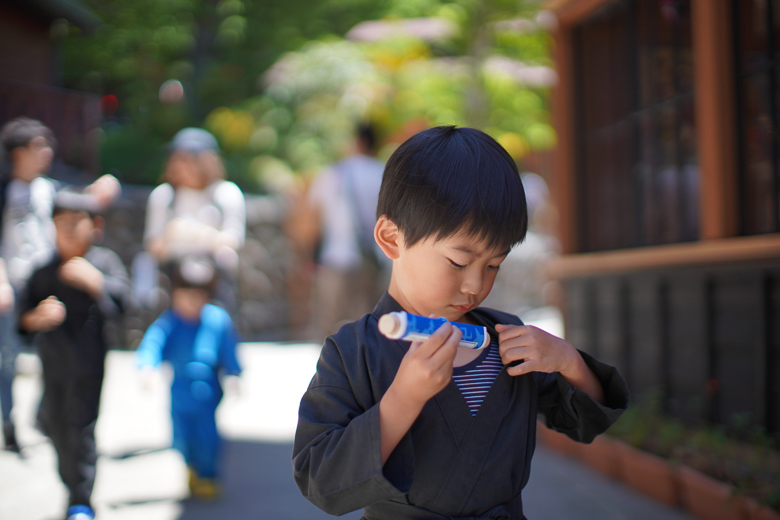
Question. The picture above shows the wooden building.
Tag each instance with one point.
(667, 181)
(30, 75)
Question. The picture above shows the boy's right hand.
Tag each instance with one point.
(426, 369)
(49, 314)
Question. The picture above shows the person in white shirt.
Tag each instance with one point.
(351, 270)
(197, 211)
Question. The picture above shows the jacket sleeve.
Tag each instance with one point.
(573, 412)
(157, 212)
(26, 300)
(228, 359)
(117, 284)
(150, 350)
(232, 204)
(336, 456)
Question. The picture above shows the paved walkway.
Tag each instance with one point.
(140, 478)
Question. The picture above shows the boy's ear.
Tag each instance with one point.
(387, 237)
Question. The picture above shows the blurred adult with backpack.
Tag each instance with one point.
(351, 270)
(197, 211)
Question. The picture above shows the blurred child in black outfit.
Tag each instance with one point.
(67, 302)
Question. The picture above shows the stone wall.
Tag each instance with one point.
(265, 268)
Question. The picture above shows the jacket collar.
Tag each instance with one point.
(386, 304)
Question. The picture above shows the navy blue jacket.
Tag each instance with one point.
(450, 464)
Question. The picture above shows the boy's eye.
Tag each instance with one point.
(494, 267)
(457, 266)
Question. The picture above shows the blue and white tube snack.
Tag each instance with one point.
(411, 327)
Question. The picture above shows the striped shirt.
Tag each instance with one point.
(474, 379)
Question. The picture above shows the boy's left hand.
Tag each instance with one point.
(543, 352)
(539, 350)
(79, 273)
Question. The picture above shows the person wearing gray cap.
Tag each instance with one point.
(197, 211)
(194, 140)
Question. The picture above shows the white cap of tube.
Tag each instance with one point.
(392, 325)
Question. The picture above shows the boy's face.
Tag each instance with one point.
(75, 233)
(188, 302)
(32, 160)
(448, 277)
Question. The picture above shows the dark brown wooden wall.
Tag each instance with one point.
(26, 51)
(708, 338)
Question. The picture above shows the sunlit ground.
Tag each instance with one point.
(138, 476)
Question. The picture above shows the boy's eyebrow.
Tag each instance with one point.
(471, 252)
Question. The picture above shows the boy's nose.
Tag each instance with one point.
(472, 284)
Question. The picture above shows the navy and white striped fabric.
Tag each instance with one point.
(475, 379)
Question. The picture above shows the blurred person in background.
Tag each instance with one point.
(27, 234)
(199, 341)
(66, 304)
(522, 285)
(197, 211)
(351, 271)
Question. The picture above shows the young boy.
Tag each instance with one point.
(430, 430)
(27, 234)
(67, 302)
(199, 340)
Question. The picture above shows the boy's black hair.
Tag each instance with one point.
(194, 272)
(20, 131)
(67, 200)
(447, 178)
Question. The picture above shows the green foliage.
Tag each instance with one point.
(217, 49)
(128, 149)
(403, 83)
(644, 425)
(282, 89)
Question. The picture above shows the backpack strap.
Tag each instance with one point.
(4, 182)
(363, 235)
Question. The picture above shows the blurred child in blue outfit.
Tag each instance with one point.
(66, 303)
(199, 340)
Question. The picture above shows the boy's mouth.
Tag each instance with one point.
(463, 308)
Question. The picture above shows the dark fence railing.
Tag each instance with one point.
(705, 338)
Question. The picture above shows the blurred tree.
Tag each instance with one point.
(477, 63)
(282, 84)
(216, 50)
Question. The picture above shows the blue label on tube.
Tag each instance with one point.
(412, 327)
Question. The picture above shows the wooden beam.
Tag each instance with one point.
(715, 117)
(563, 181)
(707, 252)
